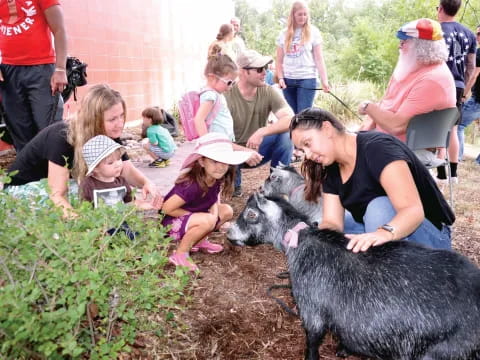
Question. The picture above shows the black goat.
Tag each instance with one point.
(395, 301)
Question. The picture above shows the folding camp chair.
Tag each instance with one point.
(432, 130)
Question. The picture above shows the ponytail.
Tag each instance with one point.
(219, 64)
(225, 30)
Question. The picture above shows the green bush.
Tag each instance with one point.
(67, 290)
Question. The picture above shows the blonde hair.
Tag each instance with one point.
(89, 122)
(297, 5)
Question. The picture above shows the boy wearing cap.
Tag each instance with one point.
(461, 44)
(103, 180)
(421, 81)
(250, 102)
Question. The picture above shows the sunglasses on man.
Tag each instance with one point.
(259, 69)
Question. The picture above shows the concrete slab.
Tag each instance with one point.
(165, 177)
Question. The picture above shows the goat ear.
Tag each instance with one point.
(261, 200)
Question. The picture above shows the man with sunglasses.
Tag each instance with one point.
(250, 102)
(461, 46)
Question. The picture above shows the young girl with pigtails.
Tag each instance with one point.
(221, 73)
(193, 207)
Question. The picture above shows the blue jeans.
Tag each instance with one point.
(380, 211)
(275, 148)
(299, 93)
(471, 112)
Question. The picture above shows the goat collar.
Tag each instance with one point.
(295, 190)
(290, 240)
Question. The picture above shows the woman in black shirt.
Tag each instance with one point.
(55, 153)
(388, 192)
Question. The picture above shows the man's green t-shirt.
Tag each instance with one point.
(250, 115)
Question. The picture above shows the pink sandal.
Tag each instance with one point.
(183, 260)
(206, 246)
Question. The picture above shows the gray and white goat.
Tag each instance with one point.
(286, 181)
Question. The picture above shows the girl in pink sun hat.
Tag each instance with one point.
(193, 207)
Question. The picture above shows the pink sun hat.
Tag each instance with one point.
(217, 147)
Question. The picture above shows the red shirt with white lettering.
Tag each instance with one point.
(27, 40)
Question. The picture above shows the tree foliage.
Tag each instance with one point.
(359, 39)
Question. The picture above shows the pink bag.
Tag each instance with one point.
(188, 107)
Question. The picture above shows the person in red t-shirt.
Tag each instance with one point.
(32, 69)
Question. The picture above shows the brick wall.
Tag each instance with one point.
(149, 50)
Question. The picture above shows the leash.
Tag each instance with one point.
(282, 275)
(334, 96)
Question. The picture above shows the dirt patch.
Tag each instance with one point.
(6, 158)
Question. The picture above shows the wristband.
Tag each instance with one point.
(60, 69)
(389, 228)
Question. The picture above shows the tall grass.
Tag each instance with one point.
(352, 94)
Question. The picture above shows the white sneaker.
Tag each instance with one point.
(444, 182)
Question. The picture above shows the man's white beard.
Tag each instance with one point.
(406, 65)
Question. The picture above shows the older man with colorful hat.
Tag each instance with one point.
(250, 102)
(421, 81)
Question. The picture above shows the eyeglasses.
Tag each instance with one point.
(225, 81)
(478, 33)
(259, 69)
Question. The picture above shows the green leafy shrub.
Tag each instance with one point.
(67, 290)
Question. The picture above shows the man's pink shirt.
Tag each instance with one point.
(430, 88)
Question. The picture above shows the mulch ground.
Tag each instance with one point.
(229, 314)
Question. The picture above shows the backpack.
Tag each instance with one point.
(188, 107)
(170, 123)
(76, 76)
